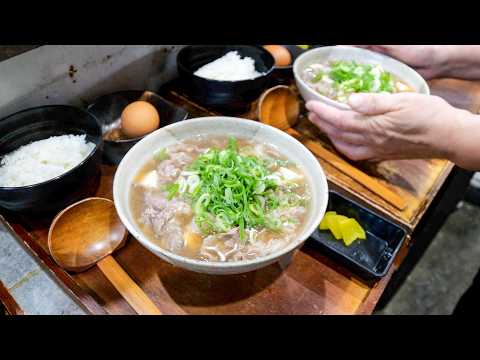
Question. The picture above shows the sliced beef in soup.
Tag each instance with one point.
(220, 199)
(167, 217)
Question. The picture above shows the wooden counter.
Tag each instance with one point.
(310, 284)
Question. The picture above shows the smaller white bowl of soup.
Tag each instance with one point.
(220, 195)
(332, 73)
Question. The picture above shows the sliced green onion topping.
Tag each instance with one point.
(232, 190)
(161, 155)
(351, 77)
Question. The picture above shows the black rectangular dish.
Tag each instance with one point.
(370, 258)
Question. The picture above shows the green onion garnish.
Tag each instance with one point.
(233, 191)
(161, 155)
(172, 190)
(350, 77)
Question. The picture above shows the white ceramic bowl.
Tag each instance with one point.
(364, 56)
(220, 126)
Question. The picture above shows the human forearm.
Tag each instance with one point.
(459, 61)
(433, 61)
(401, 126)
(464, 147)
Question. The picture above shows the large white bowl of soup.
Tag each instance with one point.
(220, 195)
(331, 74)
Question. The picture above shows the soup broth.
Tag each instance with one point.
(220, 199)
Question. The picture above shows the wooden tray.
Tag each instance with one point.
(417, 181)
(311, 284)
(9, 304)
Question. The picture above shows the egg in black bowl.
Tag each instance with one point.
(229, 97)
(40, 123)
(108, 110)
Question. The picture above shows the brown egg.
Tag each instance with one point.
(139, 118)
(280, 53)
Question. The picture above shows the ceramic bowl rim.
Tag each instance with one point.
(316, 218)
(369, 53)
(226, 82)
(65, 174)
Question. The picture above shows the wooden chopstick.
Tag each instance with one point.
(9, 302)
(369, 182)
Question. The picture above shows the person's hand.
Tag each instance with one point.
(429, 60)
(390, 126)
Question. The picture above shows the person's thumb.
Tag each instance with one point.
(373, 104)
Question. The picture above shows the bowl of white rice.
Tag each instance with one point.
(226, 78)
(50, 157)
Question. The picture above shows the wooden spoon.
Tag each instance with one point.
(85, 234)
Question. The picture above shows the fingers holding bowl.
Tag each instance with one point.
(342, 119)
(354, 152)
(335, 133)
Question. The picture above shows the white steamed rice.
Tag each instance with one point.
(43, 160)
(230, 67)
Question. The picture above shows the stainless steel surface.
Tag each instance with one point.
(76, 74)
(8, 51)
(35, 291)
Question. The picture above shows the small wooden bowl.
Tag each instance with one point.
(279, 107)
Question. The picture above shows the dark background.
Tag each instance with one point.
(8, 51)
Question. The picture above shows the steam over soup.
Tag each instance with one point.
(337, 80)
(220, 199)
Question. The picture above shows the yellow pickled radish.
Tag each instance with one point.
(348, 234)
(351, 231)
(334, 225)
(360, 231)
(342, 227)
(324, 223)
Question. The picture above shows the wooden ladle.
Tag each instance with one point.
(85, 234)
